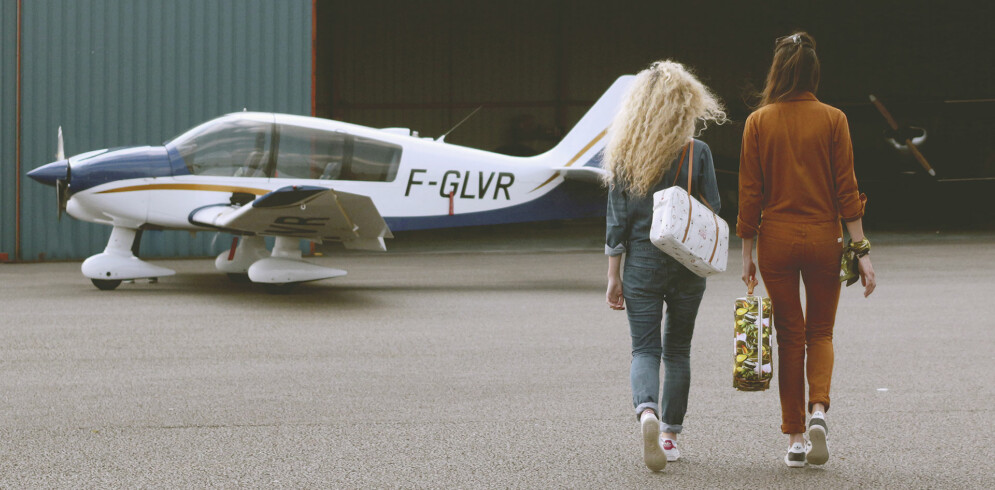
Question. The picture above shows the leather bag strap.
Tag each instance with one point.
(690, 173)
(690, 164)
(679, 167)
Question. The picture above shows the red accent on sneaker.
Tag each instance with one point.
(668, 445)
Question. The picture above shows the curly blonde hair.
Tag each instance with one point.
(657, 118)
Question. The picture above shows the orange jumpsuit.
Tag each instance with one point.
(796, 181)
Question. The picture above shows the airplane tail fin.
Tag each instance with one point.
(581, 147)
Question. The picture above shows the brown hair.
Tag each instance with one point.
(795, 68)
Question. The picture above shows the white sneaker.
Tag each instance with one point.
(796, 456)
(653, 454)
(670, 449)
(818, 448)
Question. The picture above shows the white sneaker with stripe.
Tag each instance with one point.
(817, 452)
(653, 454)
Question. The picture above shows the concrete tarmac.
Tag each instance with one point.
(437, 368)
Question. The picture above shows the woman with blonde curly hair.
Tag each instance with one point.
(647, 144)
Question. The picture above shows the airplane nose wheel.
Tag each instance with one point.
(106, 284)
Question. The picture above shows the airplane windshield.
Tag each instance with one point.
(230, 146)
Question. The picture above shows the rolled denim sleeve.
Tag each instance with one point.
(617, 222)
(708, 186)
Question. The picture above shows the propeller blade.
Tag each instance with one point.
(60, 154)
(62, 186)
(62, 195)
(884, 112)
(921, 159)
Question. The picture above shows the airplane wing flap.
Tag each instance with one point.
(364, 213)
(314, 213)
(591, 175)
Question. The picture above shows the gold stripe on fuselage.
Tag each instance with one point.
(188, 187)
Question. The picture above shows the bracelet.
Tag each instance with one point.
(860, 248)
(849, 272)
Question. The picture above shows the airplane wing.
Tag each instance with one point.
(314, 213)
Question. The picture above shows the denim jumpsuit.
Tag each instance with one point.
(652, 278)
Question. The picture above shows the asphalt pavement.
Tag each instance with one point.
(467, 362)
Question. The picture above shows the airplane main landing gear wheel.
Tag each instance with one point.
(280, 288)
(106, 284)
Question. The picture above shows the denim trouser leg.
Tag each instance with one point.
(644, 306)
(682, 309)
(647, 284)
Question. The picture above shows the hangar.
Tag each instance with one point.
(139, 72)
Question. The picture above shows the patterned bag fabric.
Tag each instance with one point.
(754, 365)
(688, 230)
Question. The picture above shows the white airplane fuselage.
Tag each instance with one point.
(435, 183)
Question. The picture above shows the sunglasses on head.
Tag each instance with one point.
(794, 39)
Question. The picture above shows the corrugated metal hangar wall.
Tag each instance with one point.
(115, 73)
(8, 123)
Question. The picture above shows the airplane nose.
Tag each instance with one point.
(48, 174)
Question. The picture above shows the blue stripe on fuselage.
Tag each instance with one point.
(569, 200)
(119, 164)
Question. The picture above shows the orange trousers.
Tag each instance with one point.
(787, 252)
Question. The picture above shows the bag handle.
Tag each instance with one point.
(681, 166)
(760, 324)
(690, 173)
(691, 165)
(690, 147)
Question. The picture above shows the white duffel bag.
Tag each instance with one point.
(688, 230)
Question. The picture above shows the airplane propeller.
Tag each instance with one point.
(910, 142)
(62, 185)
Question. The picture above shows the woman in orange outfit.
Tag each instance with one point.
(796, 181)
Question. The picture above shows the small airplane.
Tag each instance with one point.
(293, 177)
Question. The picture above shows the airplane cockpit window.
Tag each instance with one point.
(230, 147)
(374, 160)
(307, 153)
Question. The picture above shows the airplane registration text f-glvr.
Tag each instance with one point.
(294, 177)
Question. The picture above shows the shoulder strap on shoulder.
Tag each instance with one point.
(690, 164)
(681, 166)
